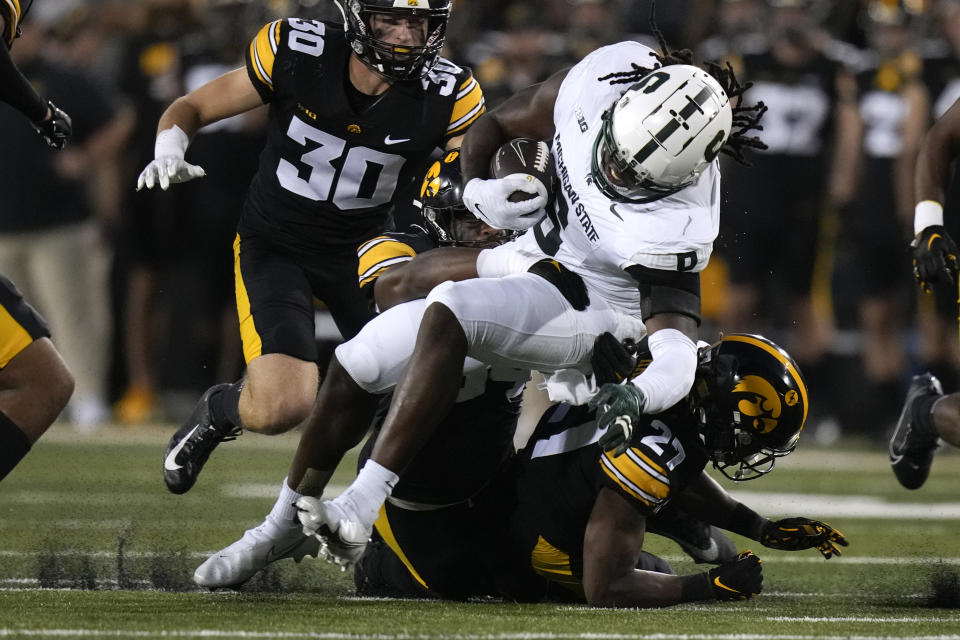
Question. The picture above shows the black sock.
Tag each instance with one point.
(225, 405)
(923, 413)
(14, 444)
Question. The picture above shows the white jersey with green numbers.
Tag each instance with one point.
(594, 236)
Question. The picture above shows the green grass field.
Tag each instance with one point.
(93, 546)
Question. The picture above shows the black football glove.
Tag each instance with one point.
(618, 409)
(740, 579)
(934, 254)
(612, 360)
(795, 534)
(566, 281)
(56, 129)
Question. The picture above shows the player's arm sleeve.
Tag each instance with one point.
(10, 12)
(663, 291)
(15, 89)
(467, 107)
(377, 256)
(261, 56)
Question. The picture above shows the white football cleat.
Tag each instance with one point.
(343, 537)
(260, 546)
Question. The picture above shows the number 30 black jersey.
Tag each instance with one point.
(328, 173)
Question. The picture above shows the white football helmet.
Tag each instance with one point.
(661, 134)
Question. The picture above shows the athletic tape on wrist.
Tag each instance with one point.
(927, 214)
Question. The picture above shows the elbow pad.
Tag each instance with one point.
(669, 377)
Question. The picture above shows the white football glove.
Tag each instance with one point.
(487, 200)
(168, 166)
(343, 540)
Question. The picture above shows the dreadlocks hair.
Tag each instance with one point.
(746, 118)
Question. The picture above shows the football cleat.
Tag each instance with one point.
(912, 445)
(343, 538)
(192, 444)
(260, 546)
(701, 541)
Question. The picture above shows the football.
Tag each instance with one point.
(523, 155)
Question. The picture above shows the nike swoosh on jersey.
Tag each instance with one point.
(389, 140)
(717, 582)
(170, 462)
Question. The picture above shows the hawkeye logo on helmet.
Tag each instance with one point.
(757, 399)
(431, 181)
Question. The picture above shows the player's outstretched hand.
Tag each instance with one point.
(56, 129)
(740, 579)
(168, 170)
(796, 534)
(489, 200)
(934, 257)
(618, 409)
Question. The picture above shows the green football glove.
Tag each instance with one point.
(618, 409)
(740, 579)
(796, 534)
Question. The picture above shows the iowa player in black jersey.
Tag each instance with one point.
(35, 383)
(480, 426)
(355, 113)
(50, 123)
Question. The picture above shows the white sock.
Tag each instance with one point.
(283, 512)
(364, 497)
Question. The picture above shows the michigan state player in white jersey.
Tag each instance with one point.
(635, 139)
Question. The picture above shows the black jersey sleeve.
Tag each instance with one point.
(468, 104)
(10, 10)
(660, 462)
(386, 251)
(261, 56)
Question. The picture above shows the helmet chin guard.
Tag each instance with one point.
(661, 134)
(393, 61)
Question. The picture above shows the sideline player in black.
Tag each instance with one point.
(35, 383)
(356, 110)
(569, 520)
(928, 415)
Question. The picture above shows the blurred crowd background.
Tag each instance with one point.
(138, 287)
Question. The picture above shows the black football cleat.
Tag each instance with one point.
(192, 444)
(913, 443)
(701, 541)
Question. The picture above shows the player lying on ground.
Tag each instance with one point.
(568, 521)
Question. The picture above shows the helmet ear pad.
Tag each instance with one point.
(385, 58)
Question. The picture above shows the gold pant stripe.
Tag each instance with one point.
(13, 338)
(386, 532)
(252, 345)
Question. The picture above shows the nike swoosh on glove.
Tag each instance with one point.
(738, 580)
(168, 170)
(488, 201)
(934, 256)
(796, 534)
